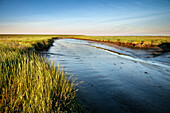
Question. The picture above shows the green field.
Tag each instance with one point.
(134, 41)
(29, 83)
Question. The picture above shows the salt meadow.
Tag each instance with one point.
(29, 83)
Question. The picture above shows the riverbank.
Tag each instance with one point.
(29, 83)
(130, 41)
(126, 41)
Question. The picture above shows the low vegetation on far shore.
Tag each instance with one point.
(130, 41)
(29, 83)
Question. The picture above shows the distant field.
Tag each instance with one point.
(24, 41)
(27, 40)
(133, 41)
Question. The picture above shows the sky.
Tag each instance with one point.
(91, 17)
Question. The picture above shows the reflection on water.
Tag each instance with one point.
(116, 79)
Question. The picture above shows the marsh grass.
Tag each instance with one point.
(29, 83)
(139, 41)
(127, 38)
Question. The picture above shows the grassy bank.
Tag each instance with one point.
(29, 83)
(130, 41)
(27, 42)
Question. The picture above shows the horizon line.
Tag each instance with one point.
(85, 34)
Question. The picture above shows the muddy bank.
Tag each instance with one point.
(43, 45)
(142, 44)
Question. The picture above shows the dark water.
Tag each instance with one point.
(116, 79)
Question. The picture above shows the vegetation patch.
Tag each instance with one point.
(29, 83)
(129, 41)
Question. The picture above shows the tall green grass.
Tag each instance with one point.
(29, 83)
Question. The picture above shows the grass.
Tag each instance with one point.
(29, 83)
(25, 41)
(135, 41)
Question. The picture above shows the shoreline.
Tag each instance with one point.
(124, 41)
(164, 47)
(134, 45)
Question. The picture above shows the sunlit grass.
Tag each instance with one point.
(24, 40)
(29, 83)
(140, 41)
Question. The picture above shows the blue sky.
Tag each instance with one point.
(108, 17)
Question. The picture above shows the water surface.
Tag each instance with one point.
(116, 80)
